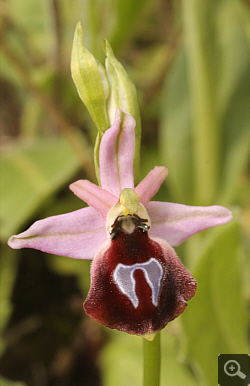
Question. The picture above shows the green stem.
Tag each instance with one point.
(152, 361)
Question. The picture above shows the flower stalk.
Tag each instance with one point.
(152, 361)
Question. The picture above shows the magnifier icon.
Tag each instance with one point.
(234, 368)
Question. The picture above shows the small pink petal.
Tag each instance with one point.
(150, 185)
(175, 223)
(117, 154)
(95, 196)
(77, 234)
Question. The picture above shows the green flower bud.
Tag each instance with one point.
(103, 91)
(91, 81)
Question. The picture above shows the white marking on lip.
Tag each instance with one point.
(124, 278)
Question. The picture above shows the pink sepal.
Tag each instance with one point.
(175, 223)
(77, 234)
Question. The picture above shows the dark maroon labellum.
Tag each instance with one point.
(138, 284)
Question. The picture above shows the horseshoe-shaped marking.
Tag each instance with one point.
(124, 278)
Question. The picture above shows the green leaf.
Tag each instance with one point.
(199, 31)
(122, 360)
(174, 369)
(30, 174)
(8, 260)
(90, 80)
(235, 140)
(175, 133)
(205, 105)
(7, 382)
(128, 18)
(64, 266)
(215, 321)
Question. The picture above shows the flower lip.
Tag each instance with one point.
(138, 284)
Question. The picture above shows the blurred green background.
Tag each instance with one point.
(190, 63)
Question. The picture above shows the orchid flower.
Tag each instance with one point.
(138, 283)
